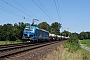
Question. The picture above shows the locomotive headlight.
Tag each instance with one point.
(28, 35)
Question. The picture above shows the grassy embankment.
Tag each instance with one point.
(85, 42)
(10, 42)
(62, 53)
(69, 51)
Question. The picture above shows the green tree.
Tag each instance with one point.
(83, 35)
(6, 31)
(44, 25)
(55, 28)
(88, 35)
(74, 34)
(1, 30)
(10, 32)
(65, 33)
(20, 28)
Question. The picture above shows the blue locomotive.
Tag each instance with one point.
(32, 33)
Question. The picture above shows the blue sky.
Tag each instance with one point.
(74, 14)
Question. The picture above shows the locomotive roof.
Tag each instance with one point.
(35, 28)
(31, 27)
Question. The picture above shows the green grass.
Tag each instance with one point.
(85, 54)
(9, 42)
(85, 42)
(79, 54)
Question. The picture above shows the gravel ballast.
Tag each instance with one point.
(36, 54)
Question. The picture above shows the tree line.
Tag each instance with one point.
(82, 35)
(13, 32)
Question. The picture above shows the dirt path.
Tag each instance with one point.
(84, 47)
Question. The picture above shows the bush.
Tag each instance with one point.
(18, 40)
(72, 44)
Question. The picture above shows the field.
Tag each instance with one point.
(85, 42)
(9, 42)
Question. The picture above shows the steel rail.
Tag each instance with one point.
(15, 50)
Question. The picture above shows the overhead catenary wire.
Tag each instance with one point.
(59, 11)
(11, 12)
(45, 8)
(57, 8)
(5, 9)
(42, 9)
(16, 8)
(23, 7)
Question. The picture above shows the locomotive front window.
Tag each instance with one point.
(29, 29)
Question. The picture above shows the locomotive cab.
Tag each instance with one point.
(28, 33)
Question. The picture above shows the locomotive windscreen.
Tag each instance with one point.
(29, 29)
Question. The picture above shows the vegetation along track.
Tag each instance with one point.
(18, 48)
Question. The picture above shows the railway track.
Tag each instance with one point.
(18, 48)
